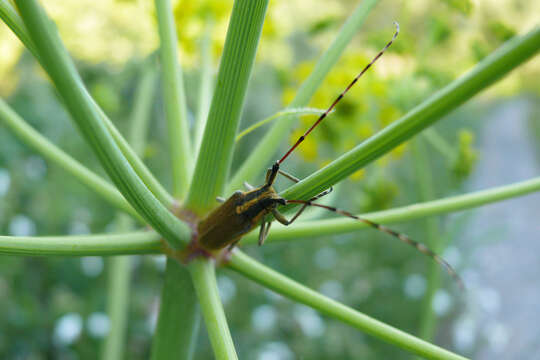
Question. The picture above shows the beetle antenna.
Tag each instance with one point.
(301, 138)
(404, 238)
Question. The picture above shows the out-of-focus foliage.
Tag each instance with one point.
(438, 41)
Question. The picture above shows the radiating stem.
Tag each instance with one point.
(492, 68)
(179, 316)
(215, 156)
(281, 284)
(141, 242)
(432, 235)
(308, 229)
(54, 154)
(204, 280)
(205, 86)
(175, 100)
(83, 110)
(118, 299)
(119, 266)
(260, 156)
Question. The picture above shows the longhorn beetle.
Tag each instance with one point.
(243, 211)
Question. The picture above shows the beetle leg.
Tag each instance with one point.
(279, 216)
(295, 179)
(263, 232)
(289, 176)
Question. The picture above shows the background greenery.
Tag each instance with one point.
(439, 41)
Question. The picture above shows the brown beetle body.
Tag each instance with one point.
(238, 215)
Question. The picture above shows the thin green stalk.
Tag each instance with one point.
(83, 110)
(54, 154)
(268, 145)
(11, 17)
(281, 284)
(204, 280)
(119, 266)
(440, 144)
(140, 242)
(215, 155)
(309, 229)
(433, 238)
(118, 299)
(175, 100)
(149, 242)
(205, 86)
(179, 316)
(492, 68)
(278, 115)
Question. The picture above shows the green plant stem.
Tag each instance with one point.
(140, 242)
(215, 155)
(205, 86)
(9, 15)
(278, 115)
(309, 229)
(440, 144)
(175, 100)
(54, 154)
(119, 267)
(433, 238)
(268, 145)
(149, 242)
(281, 284)
(179, 316)
(139, 167)
(204, 280)
(491, 69)
(83, 110)
(118, 299)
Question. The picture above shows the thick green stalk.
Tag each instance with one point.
(215, 155)
(175, 100)
(491, 69)
(432, 235)
(205, 87)
(118, 299)
(179, 316)
(138, 165)
(9, 15)
(54, 154)
(309, 229)
(204, 279)
(283, 285)
(83, 110)
(267, 146)
(140, 242)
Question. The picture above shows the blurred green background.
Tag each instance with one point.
(55, 307)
